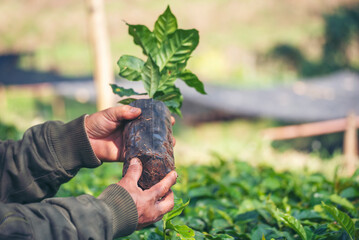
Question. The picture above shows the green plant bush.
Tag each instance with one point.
(340, 39)
(233, 200)
(8, 132)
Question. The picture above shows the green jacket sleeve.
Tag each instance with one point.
(32, 170)
(47, 156)
(83, 217)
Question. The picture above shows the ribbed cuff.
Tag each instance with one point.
(123, 208)
(72, 146)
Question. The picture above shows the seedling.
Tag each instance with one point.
(168, 50)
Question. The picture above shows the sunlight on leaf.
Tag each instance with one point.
(342, 218)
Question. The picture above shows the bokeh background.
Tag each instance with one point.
(243, 44)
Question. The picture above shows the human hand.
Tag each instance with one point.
(104, 130)
(152, 203)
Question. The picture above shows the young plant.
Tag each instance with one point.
(168, 50)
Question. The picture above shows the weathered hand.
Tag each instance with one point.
(152, 203)
(104, 130)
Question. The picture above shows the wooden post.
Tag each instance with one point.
(103, 72)
(350, 145)
(3, 99)
(308, 129)
(58, 107)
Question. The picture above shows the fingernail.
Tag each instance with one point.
(176, 174)
(134, 110)
(134, 161)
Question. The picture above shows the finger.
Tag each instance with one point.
(173, 141)
(160, 189)
(173, 120)
(124, 112)
(134, 170)
(167, 203)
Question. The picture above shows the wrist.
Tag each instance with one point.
(71, 145)
(123, 209)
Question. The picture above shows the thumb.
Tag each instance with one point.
(134, 170)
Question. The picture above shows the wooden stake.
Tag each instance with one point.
(350, 145)
(103, 73)
(3, 98)
(308, 129)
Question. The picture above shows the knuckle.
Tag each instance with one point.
(126, 107)
(163, 189)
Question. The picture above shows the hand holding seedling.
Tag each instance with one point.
(104, 130)
(168, 50)
(152, 203)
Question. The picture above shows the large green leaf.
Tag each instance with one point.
(167, 95)
(192, 81)
(177, 48)
(150, 77)
(124, 92)
(293, 223)
(167, 80)
(143, 37)
(342, 201)
(177, 210)
(184, 232)
(130, 67)
(172, 97)
(342, 219)
(165, 25)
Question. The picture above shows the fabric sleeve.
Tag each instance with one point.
(112, 215)
(123, 210)
(48, 155)
(83, 217)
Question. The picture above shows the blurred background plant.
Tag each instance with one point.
(339, 50)
(247, 44)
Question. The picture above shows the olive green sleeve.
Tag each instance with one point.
(83, 217)
(48, 155)
(123, 210)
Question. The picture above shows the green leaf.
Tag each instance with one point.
(192, 81)
(167, 80)
(184, 231)
(177, 210)
(143, 37)
(124, 92)
(219, 237)
(165, 25)
(293, 223)
(130, 67)
(127, 101)
(225, 216)
(150, 77)
(342, 201)
(172, 97)
(177, 48)
(342, 218)
(167, 94)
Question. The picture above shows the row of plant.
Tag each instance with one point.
(233, 200)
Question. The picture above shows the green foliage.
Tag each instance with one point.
(293, 223)
(342, 219)
(233, 200)
(123, 91)
(341, 31)
(167, 49)
(183, 231)
(8, 132)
